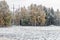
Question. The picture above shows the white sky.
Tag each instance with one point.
(48, 3)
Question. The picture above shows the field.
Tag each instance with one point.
(30, 33)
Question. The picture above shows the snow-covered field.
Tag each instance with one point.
(30, 33)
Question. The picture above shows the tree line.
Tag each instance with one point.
(33, 15)
(37, 15)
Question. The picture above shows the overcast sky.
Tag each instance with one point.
(48, 3)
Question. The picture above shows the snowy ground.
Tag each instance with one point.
(30, 33)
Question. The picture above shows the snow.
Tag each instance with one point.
(30, 33)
